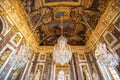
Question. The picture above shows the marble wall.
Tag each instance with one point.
(10, 41)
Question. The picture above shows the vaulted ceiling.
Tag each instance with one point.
(80, 18)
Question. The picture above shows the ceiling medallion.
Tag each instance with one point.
(62, 52)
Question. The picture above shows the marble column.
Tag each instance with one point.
(47, 69)
(77, 68)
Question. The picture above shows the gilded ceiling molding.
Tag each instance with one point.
(107, 18)
(2, 13)
(49, 49)
(85, 3)
(38, 4)
(61, 3)
(66, 11)
(15, 16)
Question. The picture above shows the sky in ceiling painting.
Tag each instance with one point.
(47, 1)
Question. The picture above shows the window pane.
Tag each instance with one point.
(61, 75)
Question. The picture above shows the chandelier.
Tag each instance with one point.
(62, 52)
(106, 56)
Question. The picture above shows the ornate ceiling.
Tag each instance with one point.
(80, 17)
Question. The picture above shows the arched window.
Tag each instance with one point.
(61, 75)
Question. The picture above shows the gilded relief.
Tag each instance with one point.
(85, 71)
(42, 57)
(67, 78)
(40, 67)
(61, 13)
(39, 72)
(82, 57)
(4, 56)
(16, 39)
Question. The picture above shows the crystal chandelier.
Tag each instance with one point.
(62, 52)
(106, 56)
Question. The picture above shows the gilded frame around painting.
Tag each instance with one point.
(85, 71)
(39, 65)
(82, 57)
(109, 38)
(61, 3)
(61, 11)
(16, 39)
(42, 57)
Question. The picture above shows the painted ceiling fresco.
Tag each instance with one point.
(78, 21)
(54, 33)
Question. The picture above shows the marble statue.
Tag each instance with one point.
(95, 76)
(37, 76)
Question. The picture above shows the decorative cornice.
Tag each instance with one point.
(51, 48)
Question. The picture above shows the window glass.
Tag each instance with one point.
(61, 75)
